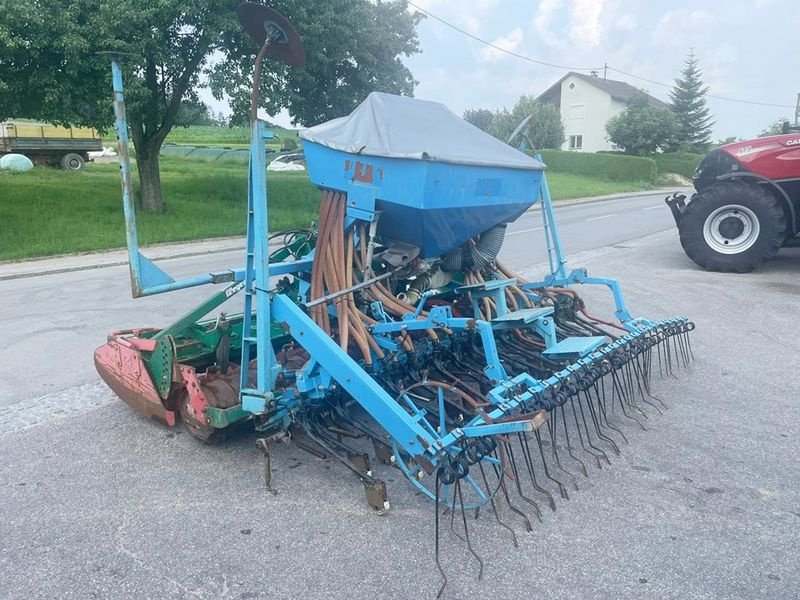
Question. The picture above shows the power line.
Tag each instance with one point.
(727, 99)
(566, 68)
(496, 47)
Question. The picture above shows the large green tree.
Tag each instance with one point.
(641, 128)
(49, 68)
(353, 47)
(544, 130)
(480, 117)
(688, 102)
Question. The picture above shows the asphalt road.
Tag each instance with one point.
(65, 316)
(98, 502)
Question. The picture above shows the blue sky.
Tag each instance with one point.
(746, 48)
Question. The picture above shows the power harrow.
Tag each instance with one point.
(391, 320)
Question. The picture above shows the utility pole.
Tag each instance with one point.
(797, 112)
(605, 74)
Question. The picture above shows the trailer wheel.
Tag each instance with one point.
(72, 162)
(732, 227)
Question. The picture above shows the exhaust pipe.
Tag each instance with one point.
(677, 204)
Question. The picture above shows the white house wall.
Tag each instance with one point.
(598, 108)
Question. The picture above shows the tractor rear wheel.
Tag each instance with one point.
(732, 227)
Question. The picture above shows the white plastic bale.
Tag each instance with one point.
(15, 162)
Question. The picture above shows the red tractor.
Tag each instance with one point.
(747, 203)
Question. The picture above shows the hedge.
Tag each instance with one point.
(682, 163)
(615, 167)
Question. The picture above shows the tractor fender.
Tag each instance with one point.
(787, 203)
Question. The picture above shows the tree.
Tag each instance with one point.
(480, 117)
(49, 68)
(687, 101)
(352, 48)
(544, 130)
(195, 112)
(642, 129)
(776, 128)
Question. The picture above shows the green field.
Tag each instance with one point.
(48, 211)
(232, 137)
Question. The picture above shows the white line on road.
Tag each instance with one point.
(524, 230)
(603, 217)
(653, 207)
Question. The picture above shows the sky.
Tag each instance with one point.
(746, 49)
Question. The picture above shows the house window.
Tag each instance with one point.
(576, 111)
(575, 142)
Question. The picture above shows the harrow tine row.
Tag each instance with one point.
(582, 421)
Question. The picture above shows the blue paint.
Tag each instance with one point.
(433, 205)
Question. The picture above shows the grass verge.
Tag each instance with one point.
(48, 211)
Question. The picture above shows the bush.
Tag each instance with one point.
(682, 163)
(614, 167)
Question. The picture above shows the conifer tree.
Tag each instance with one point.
(687, 101)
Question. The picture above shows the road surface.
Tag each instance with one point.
(98, 502)
(65, 316)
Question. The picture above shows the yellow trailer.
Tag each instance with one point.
(50, 144)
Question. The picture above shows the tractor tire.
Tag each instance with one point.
(72, 162)
(732, 227)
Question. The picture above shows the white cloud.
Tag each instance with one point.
(511, 42)
(680, 28)
(543, 20)
(585, 25)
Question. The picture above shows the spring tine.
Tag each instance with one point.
(621, 403)
(668, 349)
(596, 423)
(513, 462)
(552, 430)
(646, 366)
(526, 454)
(501, 470)
(632, 402)
(657, 346)
(601, 404)
(683, 334)
(569, 446)
(561, 488)
(436, 544)
(586, 428)
(452, 509)
(580, 435)
(637, 368)
(494, 507)
(466, 529)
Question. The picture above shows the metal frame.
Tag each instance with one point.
(330, 365)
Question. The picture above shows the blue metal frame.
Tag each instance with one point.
(147, 279)
(407, 426)
(256, 281)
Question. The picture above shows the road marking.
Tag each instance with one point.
(652, 207)
(525, 230)
(603, 217)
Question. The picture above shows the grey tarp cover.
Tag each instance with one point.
(402, 127)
